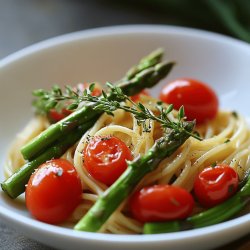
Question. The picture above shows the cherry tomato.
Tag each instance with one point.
(57, 115)
(105, 158)
(199, 100)
(161, 203)
(215, 184)
(136, 98)
(53, 191)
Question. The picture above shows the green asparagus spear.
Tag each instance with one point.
(144, 79)
(217, 214)
(15, 185)
(58, 130)
(137, 169)
(148, 61)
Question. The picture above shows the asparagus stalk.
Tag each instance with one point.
(144, 79)
(148, 61)
(58, 130)
(217, 214)
(15, 185)
(136, 170)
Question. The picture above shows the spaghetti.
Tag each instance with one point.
(226, 139)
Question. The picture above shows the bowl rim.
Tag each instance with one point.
(119, 30)
(21, 220)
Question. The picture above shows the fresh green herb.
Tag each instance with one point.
(227, 141)
(146, 78)
(197, 133)
(235, 114)
(105, 104)
(214, 164)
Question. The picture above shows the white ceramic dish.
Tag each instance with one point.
(105, 54)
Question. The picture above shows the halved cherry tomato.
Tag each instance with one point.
(105, 158)
(136, 98)
(216, 184)
(57, 115)
(199, 100)
(161, 203)
(53, 191)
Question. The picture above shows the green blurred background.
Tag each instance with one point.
(231, 17)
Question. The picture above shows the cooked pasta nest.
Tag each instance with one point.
(226, 139)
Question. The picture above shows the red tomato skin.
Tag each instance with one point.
(216, 184)
(161, 203)
(199, 100)
(56, 116)
(105, 158)
(53, 191)
(136, 98)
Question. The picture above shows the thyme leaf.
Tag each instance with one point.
(106, 103)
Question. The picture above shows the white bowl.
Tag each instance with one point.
(105, 54)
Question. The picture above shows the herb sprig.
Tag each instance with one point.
(51, 99)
